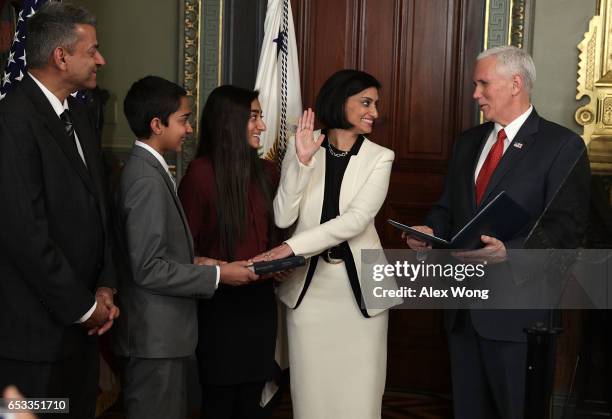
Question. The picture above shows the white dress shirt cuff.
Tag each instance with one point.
(218, 276)
(87, 315)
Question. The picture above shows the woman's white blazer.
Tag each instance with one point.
(300, 198)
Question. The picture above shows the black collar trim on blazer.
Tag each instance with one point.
(354, 149)
(351, 270)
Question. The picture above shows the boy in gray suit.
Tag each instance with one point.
(158, 328)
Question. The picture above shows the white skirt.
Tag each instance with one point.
(337, 357)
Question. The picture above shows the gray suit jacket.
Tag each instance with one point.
(158, 304)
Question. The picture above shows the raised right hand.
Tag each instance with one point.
(236, 273)
(305, 144)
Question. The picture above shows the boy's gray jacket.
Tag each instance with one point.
(159, 303)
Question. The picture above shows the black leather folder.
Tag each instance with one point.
(501, 218)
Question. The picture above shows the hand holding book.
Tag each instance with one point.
(278, 259)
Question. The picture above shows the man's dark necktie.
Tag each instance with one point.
(69, 127)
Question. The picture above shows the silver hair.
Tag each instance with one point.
(512, 60)
(53, 26)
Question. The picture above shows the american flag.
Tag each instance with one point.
(16, 65)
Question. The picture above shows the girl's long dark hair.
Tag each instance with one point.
(223, 139)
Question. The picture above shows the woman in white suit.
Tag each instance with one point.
(332, 184)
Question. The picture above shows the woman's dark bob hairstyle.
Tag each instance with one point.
(331, 100)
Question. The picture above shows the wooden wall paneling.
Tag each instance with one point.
(354, 18)
(425, 120)
(405, 75)
(325, 34)
(299, 15)
(417, 352)
(469, 44)
(418, 356)
(378, 51)
(301, 19)
(423, 111)
(243, 31)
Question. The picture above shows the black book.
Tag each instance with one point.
(267, 267)
(501, 218)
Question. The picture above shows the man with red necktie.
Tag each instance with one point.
(531, 159)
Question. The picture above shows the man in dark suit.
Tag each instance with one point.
(531, 159)
(57, 273)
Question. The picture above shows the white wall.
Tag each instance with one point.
(137, 38)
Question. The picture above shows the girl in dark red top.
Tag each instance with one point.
(227, 196)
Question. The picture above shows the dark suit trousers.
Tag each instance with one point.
(75, 377)
(488, 376)
(155, 388)
(239, 401)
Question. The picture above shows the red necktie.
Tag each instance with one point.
(489, 165)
